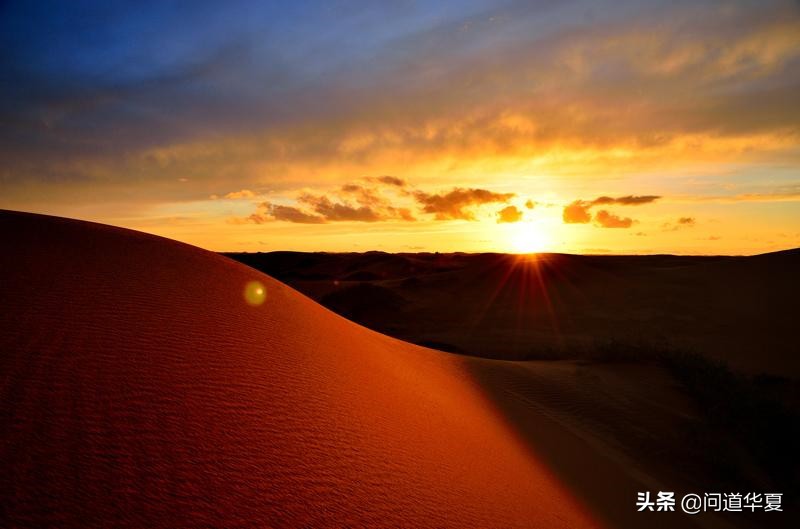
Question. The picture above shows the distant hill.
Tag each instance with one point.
(740, 309)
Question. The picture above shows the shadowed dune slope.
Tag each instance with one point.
(139, 389)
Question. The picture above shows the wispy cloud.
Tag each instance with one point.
(679, 223)
(388, 180)
(630, 200)
(244, 193)
(786, 193)
(267, 212)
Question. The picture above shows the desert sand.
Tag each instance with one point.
(140, 388)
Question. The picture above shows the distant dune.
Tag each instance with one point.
(741, 310)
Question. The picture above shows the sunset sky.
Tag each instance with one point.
(567, 126)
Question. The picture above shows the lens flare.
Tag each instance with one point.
(255, 293)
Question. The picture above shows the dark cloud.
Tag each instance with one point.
(687, 221)
(509, 214)
(268, 212)
(608, 220)
(454, 204)
(388, 180)
(630, 200)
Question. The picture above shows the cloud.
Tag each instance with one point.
(454, 204)
(681, 222)
(388, 180)
(694, 81)
(577, 212)
(244, 193)
(374, 206)
(338, 211)
(608, 220)
(268, 211)
(509, 214)
(360, 203)
(785, 193)
(368, 197)
(630, 200)
(370, 206)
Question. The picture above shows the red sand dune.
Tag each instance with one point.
(139, 389)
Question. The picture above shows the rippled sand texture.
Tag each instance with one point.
(140, 389)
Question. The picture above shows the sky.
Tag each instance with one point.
(564, 126)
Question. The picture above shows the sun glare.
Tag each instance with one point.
(525, 237)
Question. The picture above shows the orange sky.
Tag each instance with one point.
(554, 115)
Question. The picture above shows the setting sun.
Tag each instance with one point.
(526, 237)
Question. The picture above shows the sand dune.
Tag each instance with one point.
(139, 389)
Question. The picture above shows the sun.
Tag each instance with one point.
(525, 237)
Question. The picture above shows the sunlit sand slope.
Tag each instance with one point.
(140, 389)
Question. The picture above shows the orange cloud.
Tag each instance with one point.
(360, 203)
(608, 220)
(509, 214)
(681, 222)
(454, 204)
(577, 212)
(388, 180)
(268, 211)
(367, 211)
(244, 193)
